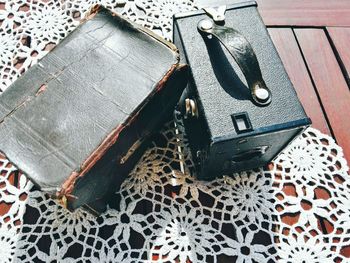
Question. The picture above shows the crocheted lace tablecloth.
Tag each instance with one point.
(297, 209)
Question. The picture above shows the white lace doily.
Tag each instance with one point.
(295, 210)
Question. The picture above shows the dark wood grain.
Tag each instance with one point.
(330, 82)
(340, 37)
(292, 59)
(305, 12)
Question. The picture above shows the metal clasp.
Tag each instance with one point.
(217, 14)
(191, 109)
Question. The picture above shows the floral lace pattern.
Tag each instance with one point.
(295, 209)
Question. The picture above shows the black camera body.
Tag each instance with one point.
(240, 109)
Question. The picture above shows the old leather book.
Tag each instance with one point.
(75, 121)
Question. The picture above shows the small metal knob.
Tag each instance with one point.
(205, 24)
(261, 95)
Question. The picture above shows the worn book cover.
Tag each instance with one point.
(74, 121)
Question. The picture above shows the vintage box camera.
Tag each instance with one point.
(240, 108)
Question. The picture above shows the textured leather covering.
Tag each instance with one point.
(220, 90)
(66, 111)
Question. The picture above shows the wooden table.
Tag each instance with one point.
(312, 38)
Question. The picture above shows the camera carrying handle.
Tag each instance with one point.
(243, 53)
